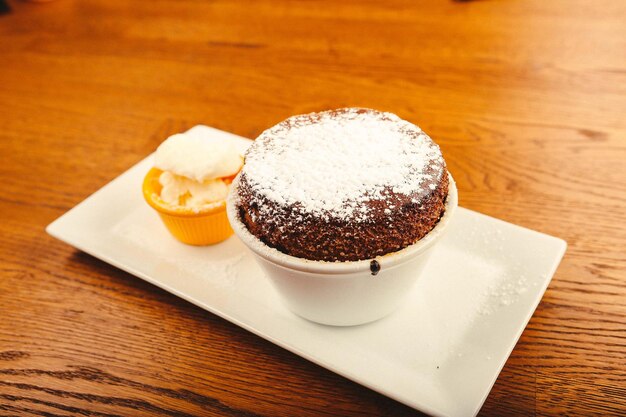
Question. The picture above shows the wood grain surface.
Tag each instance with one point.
(526, 97)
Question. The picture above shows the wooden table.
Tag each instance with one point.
(527, 99)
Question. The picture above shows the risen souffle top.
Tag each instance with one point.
(342, 185)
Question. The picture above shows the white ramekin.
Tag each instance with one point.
(343, 293)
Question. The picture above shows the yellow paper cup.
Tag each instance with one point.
(204, 227)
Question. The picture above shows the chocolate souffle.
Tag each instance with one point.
(342, 185)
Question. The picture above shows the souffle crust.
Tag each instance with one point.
(342, 185)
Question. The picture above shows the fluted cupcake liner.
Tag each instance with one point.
(202, 227)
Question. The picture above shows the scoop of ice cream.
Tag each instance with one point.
(198, 158)
(182, 191)
(194, 167)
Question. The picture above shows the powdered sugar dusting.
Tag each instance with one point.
(330, 163)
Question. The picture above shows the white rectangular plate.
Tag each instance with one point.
(440, 352)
